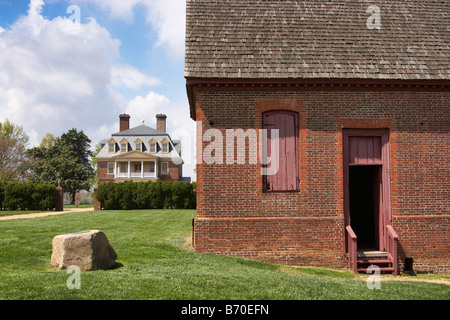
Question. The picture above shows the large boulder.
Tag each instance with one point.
(89, 250)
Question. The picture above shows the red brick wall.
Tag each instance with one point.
(102, 172)
(235, 217)
(174, 172)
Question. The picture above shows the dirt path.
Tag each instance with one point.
(44, 214)
(439, 281)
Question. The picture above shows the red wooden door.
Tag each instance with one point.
(378, 206)
(364, 150)
(369, 147)
(287, 176)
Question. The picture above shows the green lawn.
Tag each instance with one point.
(153, 263)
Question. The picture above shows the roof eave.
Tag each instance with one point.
(194, 84)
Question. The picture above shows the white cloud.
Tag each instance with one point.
(145, 108)
(168, 18)
(56, 74)
(102, 132)
(130, 77)
(118, 9)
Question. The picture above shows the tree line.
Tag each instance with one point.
(67, 159)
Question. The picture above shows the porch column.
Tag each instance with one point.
(142, 169)
(115, 169)
(129, 169)
(156, 168)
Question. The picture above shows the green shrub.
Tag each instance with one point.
(141, 200)
(193, 200)
(28, 196)
(2, 193)
(166, 194)
(130, 195)
(13, 197)
(106, 194)
(127, 195)
(155, 195)
(182, 194)
(44, 197)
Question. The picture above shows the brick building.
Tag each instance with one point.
(141, 153)
(358, 95)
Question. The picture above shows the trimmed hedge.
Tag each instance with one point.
(27, 196)
(129, 195)
(2, 193)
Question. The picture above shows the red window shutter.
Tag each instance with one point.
(269, 125)
(287, 177)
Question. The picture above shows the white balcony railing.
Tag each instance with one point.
(141, 169)
(136, 175)
(149, 175)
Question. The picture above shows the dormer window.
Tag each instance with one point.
(112, 147)
(138, 145)
(153, 146)
(165, 146)
(124, 145)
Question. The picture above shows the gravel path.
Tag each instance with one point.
(43, 214)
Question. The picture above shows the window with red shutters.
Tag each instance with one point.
(286, 177)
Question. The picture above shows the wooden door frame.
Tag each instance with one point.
(385, 217)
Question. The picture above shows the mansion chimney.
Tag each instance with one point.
(161, 122)
(124, 123)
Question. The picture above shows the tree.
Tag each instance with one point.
(13, 157)
(79, 143)
(93, 163)
(48, 140)
(65, 160)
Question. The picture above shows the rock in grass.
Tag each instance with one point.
(89, 250)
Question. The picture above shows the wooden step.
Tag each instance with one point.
(385, 269)
(366, 258)
(370, 261)
(372, 254)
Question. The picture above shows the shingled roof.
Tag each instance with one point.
(141, 130)
(264, 39)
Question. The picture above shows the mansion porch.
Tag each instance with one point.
(137, 166)
(133, 169)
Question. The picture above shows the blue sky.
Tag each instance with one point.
(81, 69)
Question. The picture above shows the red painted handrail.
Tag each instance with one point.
(391, 247)
(352, 250)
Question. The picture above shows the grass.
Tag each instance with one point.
(153, 263)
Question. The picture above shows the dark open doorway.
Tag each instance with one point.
(367, 186)
(364, 192)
